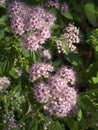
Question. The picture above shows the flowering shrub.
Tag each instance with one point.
(48, 65)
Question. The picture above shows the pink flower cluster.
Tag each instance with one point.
(33, 24)
(57, 96)
(52, 3)
(71, 35)
(40, 69)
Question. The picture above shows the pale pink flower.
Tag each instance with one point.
(4, 83)
(46, 53)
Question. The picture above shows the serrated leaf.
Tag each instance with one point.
(3, 20)
(68, 15)
(89, 9)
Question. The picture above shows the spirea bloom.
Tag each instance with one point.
(52, 3)
(71, 33)
(40, 69)
(33, 24)
(68, 74)
(64, 8)
(58, 98)
(4, 83)
(17, 8)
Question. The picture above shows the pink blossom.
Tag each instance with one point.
(40, 69)
(67, 74)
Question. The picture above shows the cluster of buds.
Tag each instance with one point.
(33, 24)
(40, 69)
(4, 83)
(57, 95)
(71, 35)
(52, 3)
(10, 121)
(64, 8)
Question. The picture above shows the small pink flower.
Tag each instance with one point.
(30, 42)
(17, 25)
(42, 93)
(38, 70)
(68, 74)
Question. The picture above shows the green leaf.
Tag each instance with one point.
(68, 15)
(3, 20)
(95, 79)
(1, 34)
(79, 116)
(56, 126)
(75, 59)
(71, 123)
(33, 125)
(96, 48)
(85, 104)
(89, 9)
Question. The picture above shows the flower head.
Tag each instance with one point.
(58, 98)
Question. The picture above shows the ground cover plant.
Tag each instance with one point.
(48, 65)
